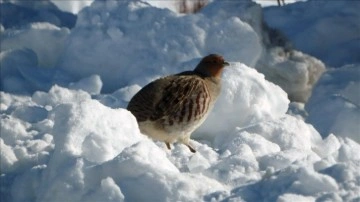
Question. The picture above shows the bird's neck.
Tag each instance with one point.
(212, 71)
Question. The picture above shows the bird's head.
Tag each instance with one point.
(211, 66)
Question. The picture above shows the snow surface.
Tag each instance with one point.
(74, 148)
(160, 48)
(76, 6)
(292, 70)
(328, 30)
(72, 6)
(235, 26)
(18, 13)
(335, 104)
(65, 135)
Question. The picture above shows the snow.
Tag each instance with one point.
(265, 3)
(92, 84)
(66, 135)
(159, 48)
(76, 6)
(47, 53)
(71, 6)
(328, 30)
(334, 104)
(19, 13)
(239, 34)
(293, 71)
(87, 151)
(244, 101)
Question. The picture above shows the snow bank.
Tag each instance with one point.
(80, 146)
(295, 72)
(47, 53)
(246, 98)
(71, 6)
(65, 145)
(70, 143)
(158, 49)
(334, 104)
(328, 30)
(292, 70)
(19, 13)
(167, 43)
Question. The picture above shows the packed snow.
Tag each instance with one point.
(66, 134)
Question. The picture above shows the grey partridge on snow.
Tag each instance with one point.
(169, 109)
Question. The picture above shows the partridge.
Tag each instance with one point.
(169, 109)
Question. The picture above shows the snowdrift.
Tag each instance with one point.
(328, 30)
(335, 103)
(18, 13)
(65, 135)
(64, 145)
(142, 42)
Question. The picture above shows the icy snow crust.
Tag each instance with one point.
(68, 142)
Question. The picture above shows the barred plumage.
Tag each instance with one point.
(169, 109)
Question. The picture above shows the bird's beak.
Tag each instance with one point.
(226, 64)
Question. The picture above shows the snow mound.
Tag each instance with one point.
(335, 103)
(34, 10)
(71, 6)
(246, 98)
(328, 30)
(159, 49)
(19, 13)
(47, 53)
(99, 137)
(167, 43)
(295, 72)
(92, 84)
(64, 145)
(68, 142)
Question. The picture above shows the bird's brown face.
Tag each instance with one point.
(214, 65)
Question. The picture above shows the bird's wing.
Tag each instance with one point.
(178, 97)
(143, 103)
(166, 97)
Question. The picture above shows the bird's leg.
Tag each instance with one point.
(168, 145)
(186, 141)
(191, 148)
